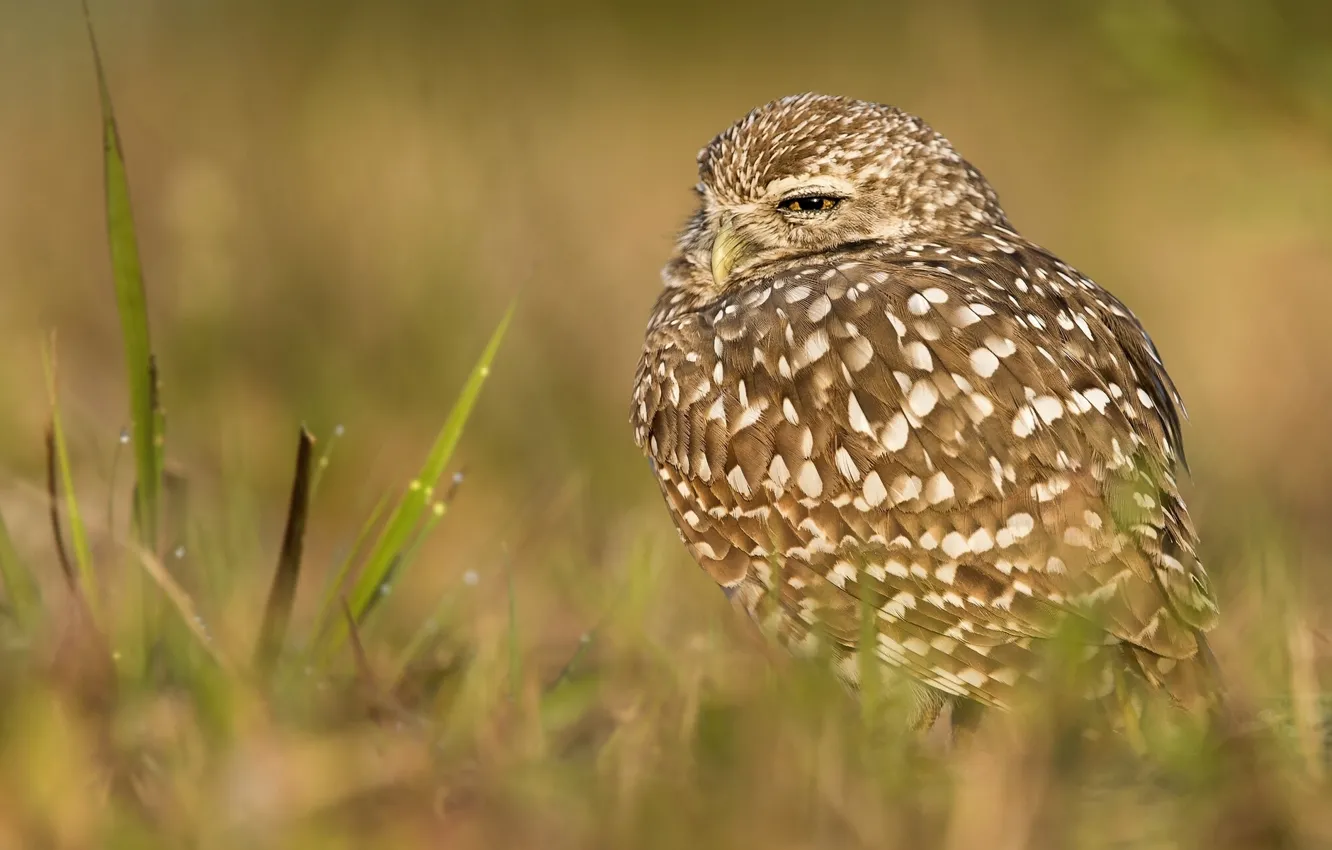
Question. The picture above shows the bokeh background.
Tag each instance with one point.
(337, 200)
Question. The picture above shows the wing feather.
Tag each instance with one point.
(969, 442)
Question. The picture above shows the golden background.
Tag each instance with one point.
(336, 201)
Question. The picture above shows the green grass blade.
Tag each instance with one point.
(430, 627)
(131, 303)
(400, 563)
(78, 535)
(331, 605)
(407, 514)
(21, 588)
(184, 606)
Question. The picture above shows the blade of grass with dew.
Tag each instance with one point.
(450, 601)
(408, 555)
(277, 614)
(437, 511)
(146, 418)
(333, 589)
(132, 305)
(184, 606)
(420, 493)
(78, 535)
(25, 597)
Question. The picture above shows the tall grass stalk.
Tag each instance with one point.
(419, 497)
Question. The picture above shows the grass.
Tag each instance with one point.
(663, 725)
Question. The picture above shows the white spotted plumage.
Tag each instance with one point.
(950, 424)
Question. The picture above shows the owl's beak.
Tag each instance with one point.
(728, 249)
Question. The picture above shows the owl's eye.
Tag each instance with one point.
(809, 204)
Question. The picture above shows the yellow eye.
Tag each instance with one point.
(809, 204)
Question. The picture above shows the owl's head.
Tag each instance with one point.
(812, 173)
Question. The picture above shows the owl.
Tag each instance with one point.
(892, 427)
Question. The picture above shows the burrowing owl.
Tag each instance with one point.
(877, 412)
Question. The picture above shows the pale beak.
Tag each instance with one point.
(728, 249)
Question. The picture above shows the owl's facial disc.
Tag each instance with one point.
(810, 174)
(790, 216)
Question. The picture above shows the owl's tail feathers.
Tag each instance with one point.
(1195, 684)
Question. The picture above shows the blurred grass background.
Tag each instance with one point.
(336, 201)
